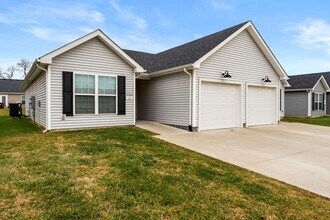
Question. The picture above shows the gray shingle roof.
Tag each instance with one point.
(11, 86)
(184, 54)
(307, 81)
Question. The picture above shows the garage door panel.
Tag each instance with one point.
(261, 105)
(220, 105)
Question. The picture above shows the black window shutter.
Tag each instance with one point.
(68, 93)
(323, 96)
(121, 84)
(313, 101)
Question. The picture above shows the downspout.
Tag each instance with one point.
(43, 69)
(190, 98)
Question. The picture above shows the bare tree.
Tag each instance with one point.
(1, 74)
(10, 72)
(24, 66)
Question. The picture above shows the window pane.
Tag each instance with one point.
(85, 104)
(107, 85)
(320, 106)
(85, 84)
(107, 104)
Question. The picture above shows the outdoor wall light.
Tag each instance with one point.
(266, 79)
(225, 74)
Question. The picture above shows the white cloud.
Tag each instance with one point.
(77, 12)
(28, 14)
(142, 42)
(50, 34)
(220, 5)
(312, 34)
(61, 23)
(127, 14)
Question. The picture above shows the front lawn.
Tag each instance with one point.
(323, 121)
(125, 173)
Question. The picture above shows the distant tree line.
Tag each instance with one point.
(23, 66)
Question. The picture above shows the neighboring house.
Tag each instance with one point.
(11, 92)
(224, 80)
(308, 95)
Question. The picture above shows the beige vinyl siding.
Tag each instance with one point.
(164, 99)
(92, 56)
(245, 62)
(14, 98)
(37, 89)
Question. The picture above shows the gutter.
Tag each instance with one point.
(171, 70)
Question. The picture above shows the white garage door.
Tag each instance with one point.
(220, 106)
(261, 105)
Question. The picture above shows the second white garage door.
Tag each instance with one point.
(261, 105)
(220, 105)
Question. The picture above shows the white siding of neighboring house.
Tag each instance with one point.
(90, 57)
(37, 89)
(164, 99)
(245, 62)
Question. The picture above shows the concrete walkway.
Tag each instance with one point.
(297, 154)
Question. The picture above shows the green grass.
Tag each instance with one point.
(323, 121)
(125, 173)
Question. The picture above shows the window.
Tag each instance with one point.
(318, 101)
(107, 94)
(23, 99)
(84, 94)
(95, 95)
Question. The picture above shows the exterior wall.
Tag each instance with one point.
(282, 100)
(91, 57)
(14, 98)
(296, 103)
(328, 103)
(319, 88)
(11, 98)
(244, 61)
(6, 101)
(37, 89)
(165, 99)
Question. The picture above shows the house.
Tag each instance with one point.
(11, 92)
(224, 80)
(308, 95)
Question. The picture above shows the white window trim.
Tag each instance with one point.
(317, 101)
(6, 104)
(96, 93)
(110, 95)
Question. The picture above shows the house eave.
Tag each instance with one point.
(171, 70)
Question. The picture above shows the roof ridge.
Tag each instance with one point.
(139, 51)
(306, 74)
(13, 79)
(209, 35)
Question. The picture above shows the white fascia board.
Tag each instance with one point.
(296, 90)
(285, 83)
(197, 64)
(325, 84)
(261, 44)
(170, 70)
(47, 59)
(267, 52)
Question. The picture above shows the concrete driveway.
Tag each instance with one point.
(297, 154)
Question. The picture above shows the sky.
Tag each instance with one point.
(297, 31)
